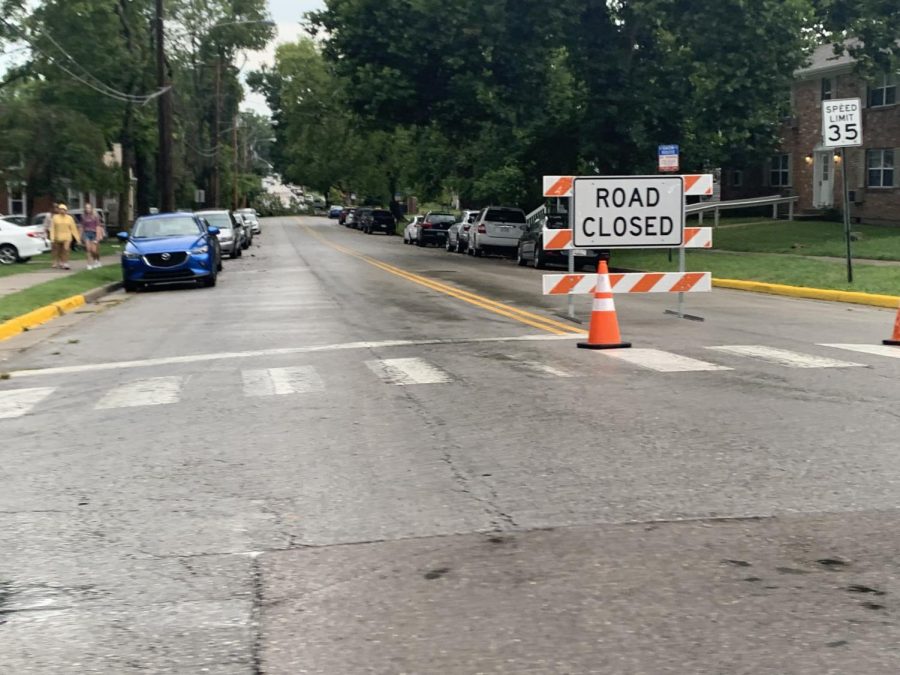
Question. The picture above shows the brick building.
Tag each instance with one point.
(805, 168)
(17, 200)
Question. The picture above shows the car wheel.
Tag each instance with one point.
(449, 246)
(420, 243)
(538, 261)
(130, 286)
(210, 281)
(219, 265)
(8, 254)
(520, 259)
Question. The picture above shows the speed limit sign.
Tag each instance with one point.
(842, 123)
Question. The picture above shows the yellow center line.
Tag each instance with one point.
(508, 311)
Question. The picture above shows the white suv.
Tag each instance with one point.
(497, 230)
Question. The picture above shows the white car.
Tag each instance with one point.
(411, 231)
(497, 229)
(19, 243)
(251, 218)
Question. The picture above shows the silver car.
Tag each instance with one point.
(231, 230)
(497, 230)
(253, 218)
(458, 234)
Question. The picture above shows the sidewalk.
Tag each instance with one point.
(19, 282)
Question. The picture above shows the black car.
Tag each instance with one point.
(531, 246)
(433, 229)
(372, 220)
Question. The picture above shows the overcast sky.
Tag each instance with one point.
(287, 15)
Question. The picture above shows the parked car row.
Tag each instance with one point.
(184, 246)
(499, 230)
(367, 219)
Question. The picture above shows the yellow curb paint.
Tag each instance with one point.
(39, 316)
(871, 299)
(69, 304)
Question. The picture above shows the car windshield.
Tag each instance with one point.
(505, 216)
(146, 228)
(220, 220)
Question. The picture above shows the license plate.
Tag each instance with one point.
(579, 252)
(504, 228)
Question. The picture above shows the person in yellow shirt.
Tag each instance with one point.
(62, 230)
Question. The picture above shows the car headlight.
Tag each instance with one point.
(200, 250)
(132, 256)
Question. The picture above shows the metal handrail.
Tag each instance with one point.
(538, 214)
(704, 207)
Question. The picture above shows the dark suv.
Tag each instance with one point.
(531, 246)
(433, 228)
(371, 220)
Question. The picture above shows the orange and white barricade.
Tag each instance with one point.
(695, 185)
(561, 240)
(641, 282)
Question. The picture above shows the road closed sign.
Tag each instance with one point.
(629, 212)
(842, 123)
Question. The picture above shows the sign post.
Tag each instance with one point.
(841, 129)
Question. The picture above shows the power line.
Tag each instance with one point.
(96, 85)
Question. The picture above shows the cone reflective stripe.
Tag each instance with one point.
(604, 331)
(894, 341)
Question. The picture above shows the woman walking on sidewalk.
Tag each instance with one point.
(92, 234)
(62, 230)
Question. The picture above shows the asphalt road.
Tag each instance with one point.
(354, 456)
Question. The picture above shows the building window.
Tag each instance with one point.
(883, 92)
(16, 198)
(826, 88)
(881, 168)
(780, 173)
(74, 199)
(737, 178)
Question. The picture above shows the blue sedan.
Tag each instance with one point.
(171, 247)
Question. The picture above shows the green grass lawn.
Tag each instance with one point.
(793, 271)
(25, 301)
(41, 263)
(810, 238)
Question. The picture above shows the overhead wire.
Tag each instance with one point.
(96, 85)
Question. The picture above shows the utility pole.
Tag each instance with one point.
(164, 164)
(217, 130)
(234, 180)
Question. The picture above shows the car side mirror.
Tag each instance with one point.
(122, 236)
(213, 230)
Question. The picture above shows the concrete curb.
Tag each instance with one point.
(42, 315)
(871, 299)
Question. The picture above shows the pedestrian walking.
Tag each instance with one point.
(92, 233)
(62, 231)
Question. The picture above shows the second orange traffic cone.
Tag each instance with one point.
(895, 338)
(604, 331)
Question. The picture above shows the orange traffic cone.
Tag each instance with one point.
(895, 339)
(604, 332)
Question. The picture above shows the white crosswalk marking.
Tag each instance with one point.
(18, 402)
(543, 368)
(661, 361)
(404, 372)
(783, 357)
(877, 350)
(282, 381)
(152, 391)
